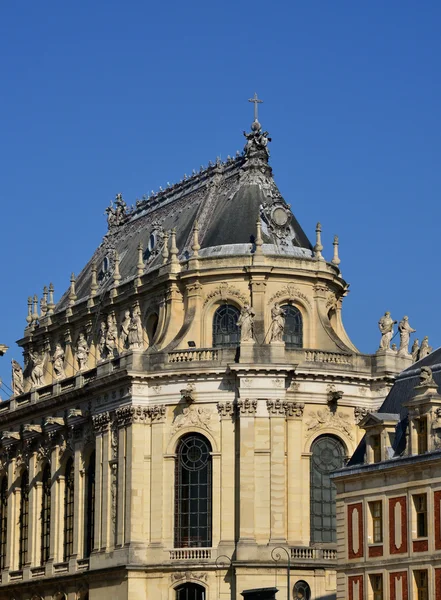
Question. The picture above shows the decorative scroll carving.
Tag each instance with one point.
(101, 422)
(127, 415)
(192, 415)
(327, 418)
(226, 410)
(360, 413)
(225, 291)
(289, 292)
(188, 576)
(294, 409)
(276, 408)
(247, 407)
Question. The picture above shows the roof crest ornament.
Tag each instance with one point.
(257, 140)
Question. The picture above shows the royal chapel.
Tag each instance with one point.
(180, 409)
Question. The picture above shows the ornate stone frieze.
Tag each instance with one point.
(226, 410)
(276, 408)
(101, 422)
(188, 576)
(127, 415)
(360, 413)
(326, 418)
(157, 413)
(294, 409)
(225, 291)
(198, 416)
(247, 407)
(289, 292)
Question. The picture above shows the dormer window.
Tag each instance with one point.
(376, 447)
(421, 429)
(106, 264)
(152, 242)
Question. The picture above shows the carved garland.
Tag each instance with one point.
(225, 291)
(289, 292)
(327, 418)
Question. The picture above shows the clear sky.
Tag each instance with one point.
(105, 97)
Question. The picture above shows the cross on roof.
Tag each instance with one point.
(255, 101)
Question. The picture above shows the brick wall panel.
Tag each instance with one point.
(393, 548)
(394, 577)
(358, 509)
(356, 579)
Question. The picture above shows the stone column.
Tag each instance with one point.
(295, 487)
(79, 503)
(157, 475)
(13, 518)
(227, 476)
(35, 497)
(101, 425)
(118, 467)
(247, 410)
(276, 412)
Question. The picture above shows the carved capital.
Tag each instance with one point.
(131, 414)
(157, 413)
(247, 407)
(294, 409)
(226, 410)
(276, 408)
(101, 422)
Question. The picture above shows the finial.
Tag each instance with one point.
(43, 302)
(140, 265)
(165, 249)
(255, 100)
(336, 260)
(173, 248)
(35, 310)
(196, 246)
(72, 292)
(93, 281)
(51, 303)
(258, 242)
(318, 243)
(29, 317)
(116, 273)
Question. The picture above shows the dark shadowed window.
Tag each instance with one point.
(302, 591)
(225, 330)
(193, 492)
(328, 454)
(293, 334)
(46, 514)
(24, 521)
(90, 507)
(69, 490)
(3, 520)
(190, 591)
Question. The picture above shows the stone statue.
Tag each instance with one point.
(425, 349)
(125, 325)
(415, 350)
(278, 323)
(58, 362)
(135, 330)
(245, 322)
(82, 352)
(386, 325)
(405, 330)
(426, 376)
(257, 142)
(17, 378)
(102, 340)
(116, 215)
(37, 370)
(111, 336)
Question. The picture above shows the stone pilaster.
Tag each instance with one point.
(276, 411)
(101, 424)
(247, 411)
(35, 497)
(227, 472)
(157, 475)
(258, 285)
(296, 484)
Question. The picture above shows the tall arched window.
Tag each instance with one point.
(302, 591)
(193, 492)
(69, 490)
(327, 455)
(46, 513)
(293, 334)
(23, 521)
(89, 513)
(190, 591)
(3, 520)
(225, 330)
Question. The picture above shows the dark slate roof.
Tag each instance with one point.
(402, 391)
(226, 200)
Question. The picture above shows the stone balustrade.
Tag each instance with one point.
(193, 354)
(328, 357)
(307, 553)
(190, 554)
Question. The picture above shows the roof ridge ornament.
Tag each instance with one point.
(257, 140)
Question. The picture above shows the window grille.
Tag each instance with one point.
(420, 502)
(225, 330)
(193, 492)
(327, 456)
(23, 521)
(190, 591)
(293, 334)
(69, 490)
(376, 509)
(421, 428)
(46, 514)
(89, 524)
(3, 520)
(422, 585)
(302, 591)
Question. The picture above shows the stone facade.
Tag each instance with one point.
(129, 363)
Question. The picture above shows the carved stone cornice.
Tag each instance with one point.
(294, 409)
(126, 415)
(276, 408)
(226, 410)
(101, 422)
(157, 413)
(247, 407)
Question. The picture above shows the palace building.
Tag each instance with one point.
(181, 408)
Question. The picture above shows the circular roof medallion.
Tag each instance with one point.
(279, 216)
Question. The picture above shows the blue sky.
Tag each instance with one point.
(106, 97)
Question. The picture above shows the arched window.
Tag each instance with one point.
(89, 514)
(327, 455)
(225, 330)
(193, 492)
(69, 489)
(293, 334)
(46, 513)
(3, 520)
(302, 591)
(23, 521)
(190, 591)
(151, 327)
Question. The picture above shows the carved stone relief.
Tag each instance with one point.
(327, 418)
(226, 410)
(289, 292)
(192, 415)
(247, 407)
(225, 291)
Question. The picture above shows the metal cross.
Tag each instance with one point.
(255, 101)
